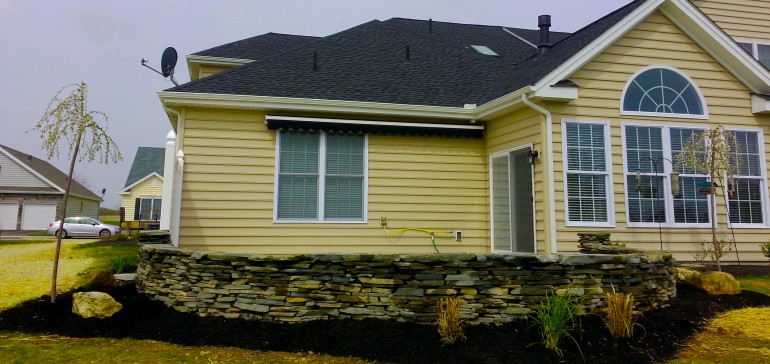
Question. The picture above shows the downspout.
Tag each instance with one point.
(549, 173)
(174, 179)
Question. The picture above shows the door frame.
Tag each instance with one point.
(491, 156)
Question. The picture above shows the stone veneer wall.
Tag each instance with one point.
(495, 288)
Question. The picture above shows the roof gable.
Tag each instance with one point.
(147, 161)
(48, 173)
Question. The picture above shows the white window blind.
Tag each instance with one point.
(587, 172)
(311, 162)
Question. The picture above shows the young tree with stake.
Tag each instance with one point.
(67, 119)
(714, 153)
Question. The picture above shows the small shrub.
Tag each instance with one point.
(449, 324)
(765, 249)
(556, 318)
(711, 253)
(124, 264)
(619, 314)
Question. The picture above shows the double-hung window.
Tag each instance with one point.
(321, 177)
(587, 174)
(651, 199)
(746, 204)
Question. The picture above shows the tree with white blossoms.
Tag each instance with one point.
(68, 120)
(713, 152)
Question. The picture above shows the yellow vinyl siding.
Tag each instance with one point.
(206, 70)
(151, 187)
(516, 130)
(601, 83)
(416, 182)
(741, 19)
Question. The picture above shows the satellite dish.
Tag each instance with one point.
(168, 61)
(167, 64)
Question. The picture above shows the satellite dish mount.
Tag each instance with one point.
(167, 64)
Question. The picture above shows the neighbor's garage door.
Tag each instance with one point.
(9, 215)
(37, 216)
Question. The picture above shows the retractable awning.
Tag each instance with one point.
(372, 126)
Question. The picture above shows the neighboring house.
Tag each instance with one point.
(520, 139)
(32, 191)
(143, 192)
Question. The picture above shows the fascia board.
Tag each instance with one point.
(31, 170)
(338, 106)
(718, 44)
(599, 44)
(127, 188)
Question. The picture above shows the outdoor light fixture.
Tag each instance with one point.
(533, 156)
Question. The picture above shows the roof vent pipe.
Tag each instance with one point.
(544, 23)
(430, 26)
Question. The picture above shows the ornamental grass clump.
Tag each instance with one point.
(450, 327)
(619, 316)
(124, 264)
(556, 318)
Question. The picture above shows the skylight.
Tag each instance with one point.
(484, 50)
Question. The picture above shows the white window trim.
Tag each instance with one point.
(609, 185)
(321, 185)
(763, 178)
(668, 203)
(705, 115)
(491, 199)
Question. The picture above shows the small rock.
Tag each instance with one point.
(685, 275)
(94, 304)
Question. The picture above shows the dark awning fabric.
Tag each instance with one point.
(374, 127)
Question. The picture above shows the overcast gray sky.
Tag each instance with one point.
(48, 44)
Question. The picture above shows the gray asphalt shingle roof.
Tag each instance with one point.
(51, 173)
(368, 63)
(258, 47)
(146, 161)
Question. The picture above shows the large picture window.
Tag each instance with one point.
(587, 170)
(321, 177)
(662, 91)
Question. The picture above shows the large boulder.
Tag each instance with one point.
(686, 275)
(94, 304)
(717, 283)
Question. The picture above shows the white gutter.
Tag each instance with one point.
(315, 105)
(549, 173)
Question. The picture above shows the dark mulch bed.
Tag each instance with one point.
(660, 335)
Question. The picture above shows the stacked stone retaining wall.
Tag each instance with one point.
(494, 288)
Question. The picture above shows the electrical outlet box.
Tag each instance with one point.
(383, 221)
(458, 235)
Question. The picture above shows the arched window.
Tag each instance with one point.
(662, 91)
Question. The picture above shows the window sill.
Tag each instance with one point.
(589, 224)
(318, 222)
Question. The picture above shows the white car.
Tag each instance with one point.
(83, 226)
